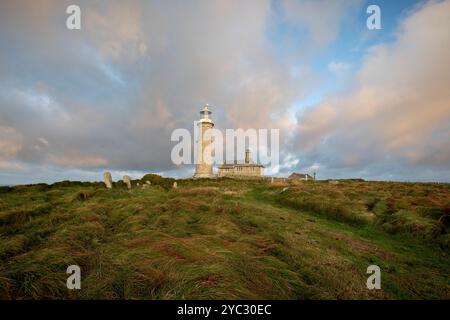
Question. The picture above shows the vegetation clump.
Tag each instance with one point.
(157, 180)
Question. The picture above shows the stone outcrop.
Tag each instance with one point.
(107, 179)
(127, 181)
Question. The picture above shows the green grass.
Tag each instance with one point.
(225, 239)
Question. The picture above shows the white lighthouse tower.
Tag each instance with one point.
(203, 168)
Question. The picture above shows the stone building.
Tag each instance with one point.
(302, 176)
(247, 169)
(203, 168)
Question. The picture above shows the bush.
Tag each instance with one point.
(6, 189)
(119, 184)
(157, 180)
(67, 183)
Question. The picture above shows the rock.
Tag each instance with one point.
(107, 179)
(333, 182)
(145, 186)
(148, 182)
(175, 185)
(271, 180)
(285, 189)
(127, 181)
(138, 184)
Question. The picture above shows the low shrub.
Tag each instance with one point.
(157, 180)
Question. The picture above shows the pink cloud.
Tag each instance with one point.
(398, 99)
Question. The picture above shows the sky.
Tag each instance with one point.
(349, 102)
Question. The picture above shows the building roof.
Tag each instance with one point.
(235, 165)
(296, 175)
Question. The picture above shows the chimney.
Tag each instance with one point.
(314, 174)
(247, 156)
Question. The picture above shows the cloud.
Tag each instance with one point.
(10, 142)
(111, 93)
(321, 19)
(78, 160)
(397, 111)
(10, 146)
(116, 30)
(338, 67)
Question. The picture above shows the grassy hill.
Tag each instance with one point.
(225, 239)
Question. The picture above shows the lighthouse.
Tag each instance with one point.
(203, 167)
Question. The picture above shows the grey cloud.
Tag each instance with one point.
(110, 94)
